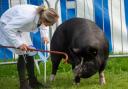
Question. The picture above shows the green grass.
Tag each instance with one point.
(116, 74)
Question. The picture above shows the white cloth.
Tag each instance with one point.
(16, 24)
(44, 31)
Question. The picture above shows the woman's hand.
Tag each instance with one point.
(45, 39)
(24, 47)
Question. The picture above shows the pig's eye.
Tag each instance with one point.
(92, 52)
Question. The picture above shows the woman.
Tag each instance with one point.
(14, 23)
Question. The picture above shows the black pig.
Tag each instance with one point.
(86, 46)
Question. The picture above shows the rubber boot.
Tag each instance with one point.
(21, 72)
(31, 75)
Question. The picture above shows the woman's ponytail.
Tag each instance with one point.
(48, 14)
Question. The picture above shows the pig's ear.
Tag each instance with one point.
(76, 50)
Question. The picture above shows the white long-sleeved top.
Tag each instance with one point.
(16, 23)
(20, 18)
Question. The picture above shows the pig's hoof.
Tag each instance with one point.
(52, 77)
(102, 81)
(77, 84)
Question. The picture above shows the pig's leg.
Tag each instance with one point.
(102, 78)
(77, 80)
(55, 63)
(101, 74)
(77, 75)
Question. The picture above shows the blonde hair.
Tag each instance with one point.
(48, 14)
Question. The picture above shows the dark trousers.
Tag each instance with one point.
(25, 62)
